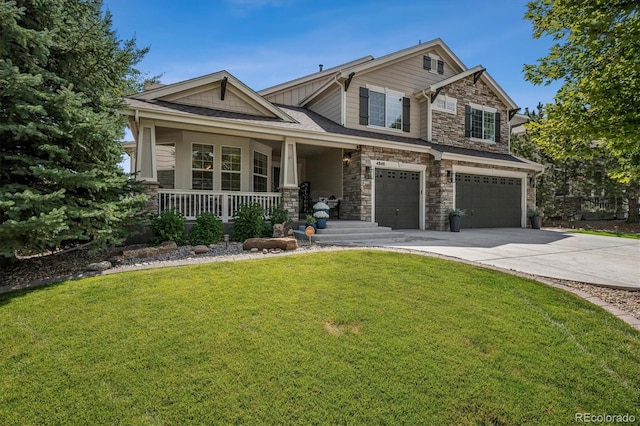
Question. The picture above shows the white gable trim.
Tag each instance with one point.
(411, 51)
(206, 82)
(485, 75)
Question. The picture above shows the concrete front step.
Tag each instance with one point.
(348, 231)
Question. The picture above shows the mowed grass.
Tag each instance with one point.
(607, 233)
(348, 337)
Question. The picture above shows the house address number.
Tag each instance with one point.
(381, 163)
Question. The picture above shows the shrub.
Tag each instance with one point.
(207, 229)
(168, 226)
(248, 222)
(278, 215)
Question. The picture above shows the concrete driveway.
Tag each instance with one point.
(593, 259)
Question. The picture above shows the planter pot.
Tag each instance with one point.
(536, 222)
(322, 223)
(454, 223)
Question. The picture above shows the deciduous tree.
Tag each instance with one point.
(597, 109)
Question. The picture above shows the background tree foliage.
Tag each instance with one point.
(597, 109)
(571, 187)
(63, 73)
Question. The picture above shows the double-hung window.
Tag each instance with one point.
(482, 123)
(385, 108)
(260, 170)
(230, 166)
(202, 166)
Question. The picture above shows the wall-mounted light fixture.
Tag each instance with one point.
(449, 176)
(532, 182)
(346, 159)
(367, 172)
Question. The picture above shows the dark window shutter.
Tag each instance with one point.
(497, 137)
(426, 62)
(467, 121)
(440, 66)
(364, 106)
(406, 113)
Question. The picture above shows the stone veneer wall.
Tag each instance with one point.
(448, 129)
(357, 203)
(352, 179)
(290, 201)
(439, 194)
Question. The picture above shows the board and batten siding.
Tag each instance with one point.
(211, 99)
(294, 95)
(329, 105)
(406, 76)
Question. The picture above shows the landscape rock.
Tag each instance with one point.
(200, 249)
(99, 266)
(144, 252)
(278, 230)
(254, 250)
(270, 243)
(265, 251)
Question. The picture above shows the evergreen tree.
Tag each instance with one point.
(63, 73)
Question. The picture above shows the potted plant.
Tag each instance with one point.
(535, 217)
(311, 221)
(455, 219)
(320, 206)
(321, 217)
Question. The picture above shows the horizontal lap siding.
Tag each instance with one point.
(294, 95)
(329, 105)
(407, 76)
(211, 99)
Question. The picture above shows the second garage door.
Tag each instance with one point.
(489, 201)
(398, 199)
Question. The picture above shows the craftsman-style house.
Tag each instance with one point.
(396, 140)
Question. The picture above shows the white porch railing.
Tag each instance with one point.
(191, 202)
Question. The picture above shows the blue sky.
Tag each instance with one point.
(266, 42)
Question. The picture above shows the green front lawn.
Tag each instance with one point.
(357, 337)
(607, 233)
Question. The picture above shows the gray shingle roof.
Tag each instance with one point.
(308, 120)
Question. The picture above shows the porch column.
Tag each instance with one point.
(289, 177)
(146, 153)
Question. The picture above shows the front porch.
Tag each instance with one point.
(197, 171)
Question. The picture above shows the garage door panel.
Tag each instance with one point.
(490, 201)
(397, 198)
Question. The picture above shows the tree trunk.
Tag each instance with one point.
(633, 192)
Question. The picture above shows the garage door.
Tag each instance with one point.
(397, 199)
(490, 201)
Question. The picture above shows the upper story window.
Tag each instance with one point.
(385, 108)
(433, 63)
(202, 166)
(446, 104)
(231, 168)
(482, 122)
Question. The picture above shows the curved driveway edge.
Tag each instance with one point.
(594, 259)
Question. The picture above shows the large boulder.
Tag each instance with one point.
(270, 243)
